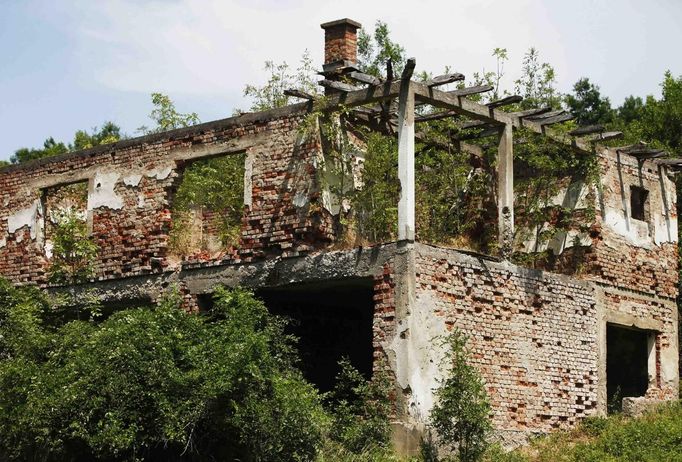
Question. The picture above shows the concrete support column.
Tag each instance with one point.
(406, 206)
(505, 191)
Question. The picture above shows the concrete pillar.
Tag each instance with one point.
(406, 205)
(505, 191)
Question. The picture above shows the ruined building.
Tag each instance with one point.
(553, 348)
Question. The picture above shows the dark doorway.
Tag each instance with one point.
(332, 319)
(627, 358)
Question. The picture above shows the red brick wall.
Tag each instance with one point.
(133, 238)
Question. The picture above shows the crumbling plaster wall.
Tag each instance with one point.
(538, 339)
(131, 185)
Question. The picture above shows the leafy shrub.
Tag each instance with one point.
(153, 383)
(360, 410)
(460, 416)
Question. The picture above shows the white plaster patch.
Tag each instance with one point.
(49, 247)
(420, 355)
(3, 242)
(140, 201)
(103, 192)
(24, 217)
(300, 199)
(160, 173)
(132, 180)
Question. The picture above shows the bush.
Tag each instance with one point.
(461, 414)
(153, 383)
(361, 410)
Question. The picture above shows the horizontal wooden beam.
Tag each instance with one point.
(364, 78)
(470, 90)
(505, 101)
(531, 112)
(555, 119)
(587, 130)
(298, 94)
(340, 86)
(371, 94)
(444, 79)
(460, 105)
(436, 116)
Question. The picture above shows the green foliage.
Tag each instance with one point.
(537, 82)
(587, 105)
(109, 133)
(166, 117)
(460, 416)
(360, 410)
(375, 49)
(214, 185)
(73, 250)
(153, 383)
(375, 204)
(652, 437)
(282, 77)
(50, 148)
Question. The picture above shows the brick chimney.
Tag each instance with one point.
(341, 41)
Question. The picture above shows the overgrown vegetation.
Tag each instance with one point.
(460, 417)
(208, 206)
(652, 437)
(160, 383)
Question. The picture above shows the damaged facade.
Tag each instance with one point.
(548, 345)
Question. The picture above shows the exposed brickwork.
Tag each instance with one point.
(533, 336)
(340, 41)
(130, 201)
(384, 313)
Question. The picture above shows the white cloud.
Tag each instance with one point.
(214, 47)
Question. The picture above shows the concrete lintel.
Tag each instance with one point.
(629, 320)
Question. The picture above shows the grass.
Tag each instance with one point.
(656, 436)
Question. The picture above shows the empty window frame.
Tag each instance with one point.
(638, 203)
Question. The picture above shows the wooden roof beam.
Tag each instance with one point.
(436, 116)
(587, 130)
(444, 79)
(364, 78)
(505, 101)
(470, 90)
(298, 94)
(460, 105)
(340, 86)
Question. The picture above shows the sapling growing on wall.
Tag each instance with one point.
(460, 417)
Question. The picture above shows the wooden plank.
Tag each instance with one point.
(408, 70)
(505, 101)
(587, 130)
(532, 112)
(340, 86)
(364, 78)
(298, 94)
(545, 115)
(371, 94)
(444, 79)
(676, 161)
(436, 116)
(471, 90)
(555, 119)
(461, 105)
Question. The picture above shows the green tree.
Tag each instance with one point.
(282, 77)
(50, 148)
(587, 105)
(166, 117)
(460, 416)
(73, 250)
(537, 82)
(153, 383)
(109, 133)
(375, 49)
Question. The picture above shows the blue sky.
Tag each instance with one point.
(72, 64)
